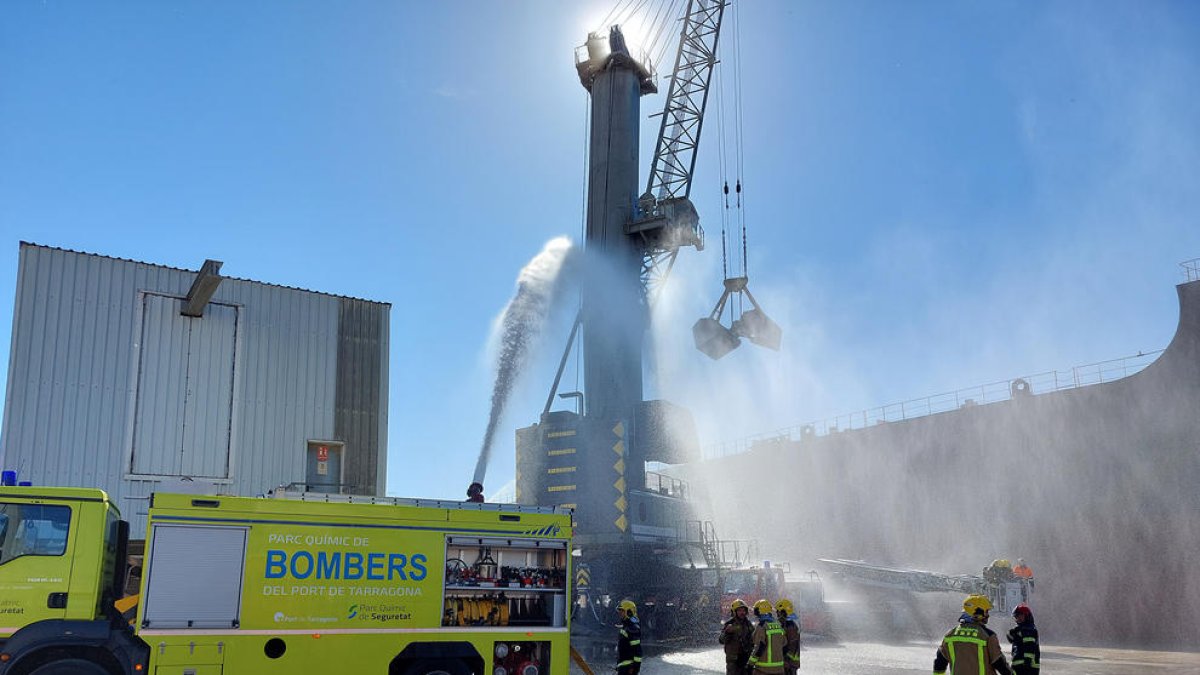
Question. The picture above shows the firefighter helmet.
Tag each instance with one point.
(977, 604)
(627, 605)
(736, 605)
(1022, 609)
(785, 607)
(762, 608)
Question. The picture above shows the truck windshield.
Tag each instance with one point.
(741, 583)
(32, 529)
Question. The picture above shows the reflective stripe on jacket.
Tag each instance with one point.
(629, 643)
(769, 639)
(1026, 652)
(970, 649)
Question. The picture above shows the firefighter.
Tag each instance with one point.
(1022, 570)
(999, 572)
(737, 634)
(971, 640)
(791, 631)
(629, 640)
(766, 656)
(1026, 652)
(1024, 574)
(475, 493)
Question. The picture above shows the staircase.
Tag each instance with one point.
(718, 553)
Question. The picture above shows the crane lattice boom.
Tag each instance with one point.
(683, 115)
(666, 219)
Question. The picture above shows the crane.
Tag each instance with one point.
(642, 235)
(632, 526)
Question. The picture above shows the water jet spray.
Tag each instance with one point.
(538, 286)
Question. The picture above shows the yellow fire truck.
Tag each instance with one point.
(296, 583)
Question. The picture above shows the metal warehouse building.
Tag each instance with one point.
(127, 376)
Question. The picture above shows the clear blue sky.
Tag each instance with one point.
(939, 193)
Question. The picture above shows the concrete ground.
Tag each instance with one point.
(862, 658)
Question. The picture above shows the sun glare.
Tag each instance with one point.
(635, 27)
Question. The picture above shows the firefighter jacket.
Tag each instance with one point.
(737, 634)
(767, 654)
(1024, 574)
(1026, 652)
(791, 645)
(970, 648)
(629, 646)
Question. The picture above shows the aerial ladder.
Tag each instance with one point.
(1004, 590)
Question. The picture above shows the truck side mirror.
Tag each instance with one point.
(121, 564)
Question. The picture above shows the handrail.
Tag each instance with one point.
(992, 392)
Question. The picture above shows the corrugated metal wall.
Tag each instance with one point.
(361, 399)
(106, 378)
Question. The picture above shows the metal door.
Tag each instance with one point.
(184, 397)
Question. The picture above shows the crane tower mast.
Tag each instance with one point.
(632, 240)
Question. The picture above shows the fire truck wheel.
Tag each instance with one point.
(438, 668)
(70, 667)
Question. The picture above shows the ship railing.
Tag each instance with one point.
(992, 392)
(666, 485)
(1191, 269)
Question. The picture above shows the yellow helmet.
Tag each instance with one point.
(736, 605)
(785, 607)
(762, 608)
(628, 605)
(977, 604)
